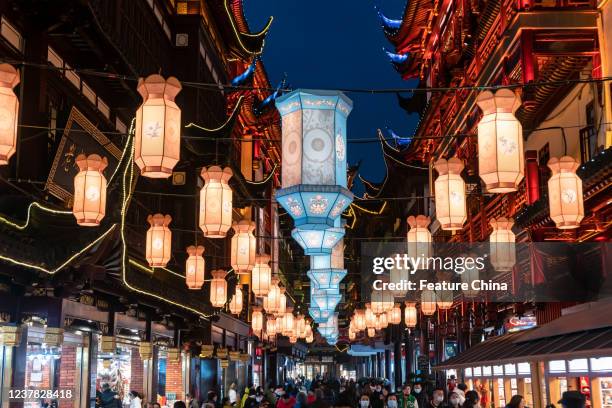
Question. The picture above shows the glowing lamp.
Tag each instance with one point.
(9, 112)
(381, 321)
(451, 209)
(565, 197)
(410, 315)
(257, 319)
(394, 316)
(271, 326)
(300, 325)
(382, 301)
(370, 316)
(352, 335)
(418, 237)
(502, 244)
(235, 305)
(428, 302)
(360, 320)
(326, 300)
(317, 314)
(194, 267)
(371, 332)
(159, 240)
(288, 321)
(243, 247)
(261, 277)
(157, 141)
(89, 206)
(444, 299)
(318, 240)
(282, 302)
(310, 338)
(218, 288)
(216, 202)
(322, 273)
(271, 302)
(293, 339)
(500, 141)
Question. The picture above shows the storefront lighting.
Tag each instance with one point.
(418, 238)
(261, 276)
(157, 141)
(235, 305)
(243, 247)
(195, 267)
(9, 112)
(502, 244)
(565, 197)
(257, 319)
(451, 209)
(428, 302)
(89, 205)
(500, 141)
(218, 288)
(216, 202)
(159, 240)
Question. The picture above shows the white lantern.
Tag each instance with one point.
(194, 267)
(451, 208)
(352, 335)
(565, 197)
(382, 301)
(89, 206)
(9, 112)
(500, 141)
(502, 244)
(444, 299)
(410, 315)
(235, 305)
(428, 302)
(159, 240)
(261, 276)
(218, 288)
(271, 326)
(157, 141)
(216, 202)
(282, 302)
(370, 316)
(371, 332)
(243, 247)
(300, 325)
(418, 238)
(257, 319)
(271, 302)
(288, 320)
(360, 320)
(394, 316)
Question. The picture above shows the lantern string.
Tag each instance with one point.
(214, 86)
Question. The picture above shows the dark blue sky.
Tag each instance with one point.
(337, 44)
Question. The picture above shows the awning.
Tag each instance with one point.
(571, 336)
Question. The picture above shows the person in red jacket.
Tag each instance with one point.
(286, 401)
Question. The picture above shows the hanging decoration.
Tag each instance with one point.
(320, 239)
(235, 305)
(243, 247)
(271, 302)
(288, 321)
(565, 197)
(216, 202)
(271, 326)
(470, 275)
(371, 332)
(89, 206)
(282, 302)
(451, 209)
(428, 302)
(157, 141)
(394, 316)
(9, 112)
(360, 320)
(382, 301)
(444, 299)
(370, 316)
(418, 238)
(500, 141)
(195, 267)
(159, 240)
(502, 244)
(257, 319)
(218, 288)
(261, 276)
(410, 315)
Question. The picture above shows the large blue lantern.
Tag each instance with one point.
(314, 154)
(318, 316)
(326, 300)
(326, 271)
(320, 238)
(329, 328)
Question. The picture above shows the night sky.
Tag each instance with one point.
(335, 44)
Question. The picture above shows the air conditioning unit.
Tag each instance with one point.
(182, 40)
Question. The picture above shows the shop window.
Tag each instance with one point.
(556, 366)
(498, 370)
(524, 368)
(579, 365)
(10, 34)
(510, 369)
(601, 364)
(467, 372)
(122, 370)
(477, 371)
(486, 371)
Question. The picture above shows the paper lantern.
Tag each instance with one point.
(323, 275)
(382, 301)
(300, 325)
(444, 299)
(288, 321)
(157, 141)
(317, 314)
(261, 276)
(216, 202)
(326, 300)
(159, 240)
(410, 315)
(318, 240)
(381, 321)
(418, 237)
(243, 247)
(310, 338)
(271, 302)
(370, 316)
(271, 326)
(282, 302)
(428, 302)
(502, 244)
(292, 339)
(329, 328)
(235, 305)
(500, 141)
(565, 197)
(451, 209)
(9, 112)
(394, 316)
(371, 332)
(360, 320)
(89, 206)
(257, 319)
(218, 288)
(195, 267)
(314, 156)
(352, 335)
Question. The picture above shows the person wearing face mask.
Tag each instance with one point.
(391, 401)
(364, 401)
(453, 400)
(406, 399)
(437, 399)
(420, 395)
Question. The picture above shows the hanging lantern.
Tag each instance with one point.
(382, 301)
(394, 316)
(444, 299)
(381, 321)
(500, 141)
(157, 142)
(310, 338)
(159, 240)
(216, 202)
(9, 112)
(370, 316)
(257, 319)
(89, 206)
(451, 208)
(326, 300)
(502, 244)
(360, 320)
(428, 302)
(243, 247)
(235, 305)
(194, 267)
(261, 277)
(323, 275)
(418, 237)
(565, 197)
(371, 332)
(271, 302)
(300, 324)
(282, 302)
(410, 315)
(352, 335)
(288, 321)
(271, 326)
(320, 239)
(292, 339)
(317, 314)
(218, 288)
